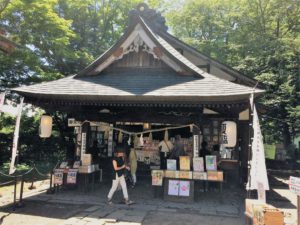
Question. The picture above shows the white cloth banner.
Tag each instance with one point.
(258, 171)
(2, 97)
(16, 138)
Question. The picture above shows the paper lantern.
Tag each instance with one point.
(229, 134)
(45, 126)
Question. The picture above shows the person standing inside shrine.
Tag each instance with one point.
(118, 176)
(165, 147)
(133, 165)
(178, 150)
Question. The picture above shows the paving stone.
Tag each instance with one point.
(228, 210)
(91, 209)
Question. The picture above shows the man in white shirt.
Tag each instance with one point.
(165, 148)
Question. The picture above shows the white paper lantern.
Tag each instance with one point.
(229, 134)
(45, 126)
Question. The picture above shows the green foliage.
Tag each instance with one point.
(258, 38)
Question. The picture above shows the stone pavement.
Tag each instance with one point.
(77, 208)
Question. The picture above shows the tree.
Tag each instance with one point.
(259, 38)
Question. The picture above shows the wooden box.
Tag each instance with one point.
(171, 174)
(86, 159)
(270, 216)
(185, 174)
(199, 175)
(215, 175)
(250, 204)
(86, 169)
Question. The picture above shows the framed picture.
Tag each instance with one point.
(215, 131)
(198, 164)
(206, 131)
(215, 139)
(215, 123)
(184, 162)
(211, 162)
(171, 164)
(157, 177)
(173, 188)
(184, 188)
(207, 138)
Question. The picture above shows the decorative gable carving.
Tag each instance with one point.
(135, 45)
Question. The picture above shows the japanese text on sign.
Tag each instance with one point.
(295, 185)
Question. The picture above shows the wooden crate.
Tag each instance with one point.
(271, 216)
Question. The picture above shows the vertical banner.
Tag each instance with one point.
(110, 141)
(2, 98)
(196, 146)
(258, 171)
(14, 150)
(83, 143)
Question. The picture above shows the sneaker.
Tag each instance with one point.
(109, 202)
(128, 202)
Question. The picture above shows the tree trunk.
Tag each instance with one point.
(287, 140)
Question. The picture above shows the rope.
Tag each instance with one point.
(3, 184)
(5, 175)
(39, 173)
(153, 130)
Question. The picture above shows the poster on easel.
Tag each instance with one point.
(173, 188)
(58, 176)
(71, 176)
(184, 163)
(198, 164)
(157, 177)
(211, 162)
(184, 188)
(171, 164)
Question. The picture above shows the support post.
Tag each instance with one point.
(298, 209)
(15, 193)
(21, 192)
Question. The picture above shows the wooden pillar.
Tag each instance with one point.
(298, 209)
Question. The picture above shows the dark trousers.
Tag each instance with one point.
(163, 161)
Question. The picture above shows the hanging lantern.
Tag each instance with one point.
(229, 134)
(45, 126)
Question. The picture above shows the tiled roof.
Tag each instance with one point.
(142, 84)
(133, 84)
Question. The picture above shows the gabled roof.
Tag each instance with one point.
(184, 82)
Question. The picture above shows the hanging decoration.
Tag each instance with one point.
(45, 126)
(191, 128)
(136, 141)
(129, 140)
(150, 136)
(166, 138)
(120, 137)
(141, 140)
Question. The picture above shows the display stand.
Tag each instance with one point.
(178, 198)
